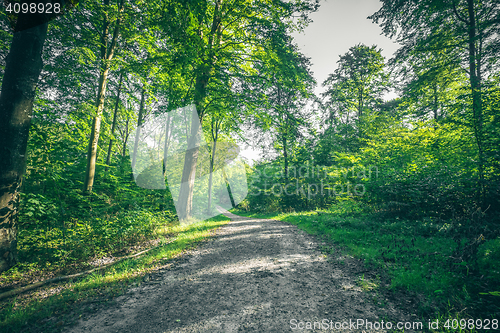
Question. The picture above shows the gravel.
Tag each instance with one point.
(255, 275)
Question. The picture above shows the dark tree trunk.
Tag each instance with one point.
(23, 66)
(228, 188)
(210, 177)
(435, 106)
(215, 136)
(285, 157)
(125, 137)
(110, 147)
(138, 130)
(166, 145)
(475, 82)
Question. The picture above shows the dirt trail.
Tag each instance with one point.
(254, 276)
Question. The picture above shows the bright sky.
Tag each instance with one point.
(337, 26)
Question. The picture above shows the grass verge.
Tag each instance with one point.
(414, 256)
(53, 307)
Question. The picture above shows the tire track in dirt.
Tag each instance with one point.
(254, 276)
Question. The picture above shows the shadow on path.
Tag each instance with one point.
(254, 276)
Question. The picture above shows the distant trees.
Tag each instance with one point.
(226, 39)
(359, 81)
(429, 85)
(237, 63)
(355, 89)
(288, 90)
(437, 144)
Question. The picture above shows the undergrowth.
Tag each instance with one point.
(44, 309)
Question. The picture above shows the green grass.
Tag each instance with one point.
(414, 255)
(23, 313)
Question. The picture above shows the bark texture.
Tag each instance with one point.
(185, 201)
(23, 66)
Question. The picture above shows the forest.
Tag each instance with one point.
(409, 185)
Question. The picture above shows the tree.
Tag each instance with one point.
(291, 84)
(430, 85)
(140, 121)
(22, 69)
(223, 36)
(107, 51)
(467, 29)
(354, 90)
(115, 116)
(357, 84)
(16, 102)
(224, 120)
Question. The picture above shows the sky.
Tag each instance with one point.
(337, 26)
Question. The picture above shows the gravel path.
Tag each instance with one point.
(254, 276)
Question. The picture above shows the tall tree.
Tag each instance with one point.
(290, 88)
(470, 27)
(140, 121)
(358, 83)
(223, 35)
(108, 47)
(22, 70)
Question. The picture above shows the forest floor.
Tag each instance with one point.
(255, 275)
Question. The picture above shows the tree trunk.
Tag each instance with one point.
(346, 133)
(94, 135)
(360, 113)
(138, 130)
(165, 147)
(228, 188)
(108, 157)
(185, 201)
(106, 56)
(435, 107)
(125, 137)
(23, 67)
(475, 82)
(210, 181)
(360, 105)
(215, 126)
(285, 157)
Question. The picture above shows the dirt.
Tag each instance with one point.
(254, 276)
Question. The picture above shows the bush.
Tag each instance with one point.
(489, 259)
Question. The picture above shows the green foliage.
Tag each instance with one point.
(59, 226)
(425, 164)
(355, 88)
(489, 257)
